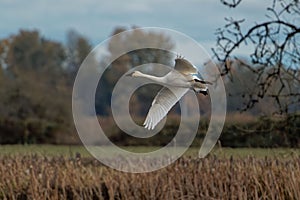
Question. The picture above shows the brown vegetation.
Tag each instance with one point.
(37, 177)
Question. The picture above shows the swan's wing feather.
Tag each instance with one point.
(184, 66)
(162, 104)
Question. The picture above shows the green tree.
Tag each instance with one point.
(35, 99)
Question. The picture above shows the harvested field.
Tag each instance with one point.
(43, 177)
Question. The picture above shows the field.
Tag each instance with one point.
(69, 172)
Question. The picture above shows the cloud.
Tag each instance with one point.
(96, 19)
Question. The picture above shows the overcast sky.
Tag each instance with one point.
(96, 19)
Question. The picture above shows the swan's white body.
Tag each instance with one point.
(177, 83)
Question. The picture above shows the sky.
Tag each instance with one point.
(96, 19)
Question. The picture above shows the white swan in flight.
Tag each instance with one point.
(176, 84)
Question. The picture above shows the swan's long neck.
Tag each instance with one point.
(153, 78)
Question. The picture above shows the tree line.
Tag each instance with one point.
(37, 75)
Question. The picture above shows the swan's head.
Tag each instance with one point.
(135, 74)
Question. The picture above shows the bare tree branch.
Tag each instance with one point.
(275, 56)
(232, 3)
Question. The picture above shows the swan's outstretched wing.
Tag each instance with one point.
(162, 104)
(185, 67)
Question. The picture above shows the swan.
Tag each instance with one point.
(175, 84)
